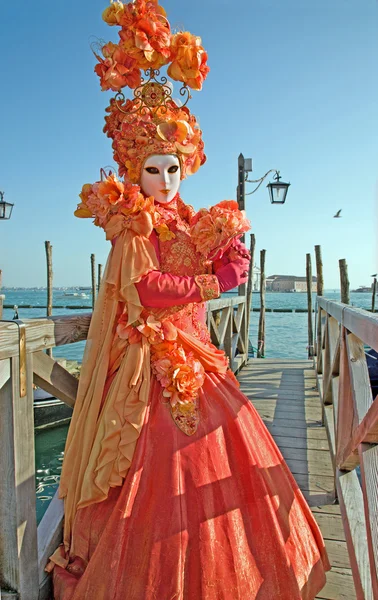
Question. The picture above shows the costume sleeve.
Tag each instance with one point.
(162, 290)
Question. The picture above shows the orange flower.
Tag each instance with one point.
(164, 233)
(117, 70)
(175, 131)
(213, 230)
(82, 211)
(189, 60)
(111, 189)
(188, 379)
(145, 33)
(113, 13)
(152, 330)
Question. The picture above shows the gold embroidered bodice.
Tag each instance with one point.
(178, 256)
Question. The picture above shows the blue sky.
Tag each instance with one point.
(293, 85)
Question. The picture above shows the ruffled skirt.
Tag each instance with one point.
(214, 516)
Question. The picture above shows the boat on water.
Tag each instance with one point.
(49, 411)
(76, 294)
(363, 289)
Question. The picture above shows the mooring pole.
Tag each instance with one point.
(309, 306)
(344, 281)
(374, 294)
(99, 276)
(48, 248)
(319, 291)
(248, 307)
(261, 334)
(93, 275)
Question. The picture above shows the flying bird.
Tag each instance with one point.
(374, 275)
(337, 215)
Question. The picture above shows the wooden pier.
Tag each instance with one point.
(285, 395)
(320, 412)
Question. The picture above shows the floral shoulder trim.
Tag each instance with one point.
(110, 198)
(212, 230)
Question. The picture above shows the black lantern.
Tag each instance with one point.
(5, 208)
(278, 190)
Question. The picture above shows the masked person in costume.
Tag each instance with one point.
(173, 488)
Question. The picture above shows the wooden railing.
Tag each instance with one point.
(24, 547)
(351, 418)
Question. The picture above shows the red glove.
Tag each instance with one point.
(234, 274)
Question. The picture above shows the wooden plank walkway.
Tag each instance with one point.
(285, 395)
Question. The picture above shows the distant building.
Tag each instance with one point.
(256, 279)
(288, 283)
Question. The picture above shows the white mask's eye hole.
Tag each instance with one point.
(152, 170)
(173, 169)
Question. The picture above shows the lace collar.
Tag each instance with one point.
(176, 211)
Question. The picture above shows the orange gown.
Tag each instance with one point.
(212, 516)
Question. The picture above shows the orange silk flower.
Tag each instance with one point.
(189, 60)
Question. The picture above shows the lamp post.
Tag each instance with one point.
(277, 190)
(5, 208)
(5, 213)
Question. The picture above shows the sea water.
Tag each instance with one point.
(286, 336)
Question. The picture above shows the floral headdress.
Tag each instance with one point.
(150, 123)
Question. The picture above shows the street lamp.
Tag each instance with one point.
(5, 208)
(277, 190)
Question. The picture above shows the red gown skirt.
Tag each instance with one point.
(214, 516)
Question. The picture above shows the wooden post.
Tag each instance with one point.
(48, 248)
(309, 306)
(1, 301)
(99, 276)
(261, 334)
(1, 305)
(18, 538)
(93, 272)
(344, 281)
(374, 294)
(248, 306)
(240, 190)
(319, 291)
(319, 271)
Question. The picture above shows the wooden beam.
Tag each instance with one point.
(346, 417)
(53, 378)
(2, 298)
(213, 328)
(363, 324)
(369, 470)
(18, 536)
(49, 534)
(225, 325)
(44, 333)
(360, 378)
(351, 504)
(4, 371)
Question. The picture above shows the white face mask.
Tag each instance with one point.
(161, 177)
